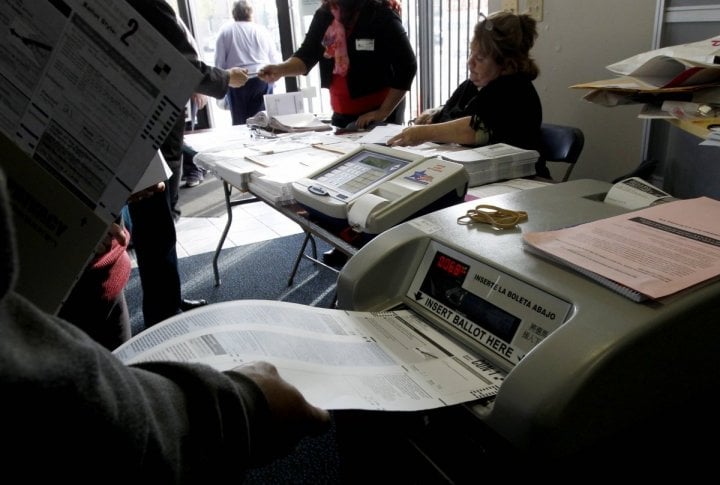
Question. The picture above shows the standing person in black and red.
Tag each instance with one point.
(366, 62)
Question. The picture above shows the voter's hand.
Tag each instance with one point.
(147, 192)
(293, 417)
(238, 77)
(116, 232)
(199, 100)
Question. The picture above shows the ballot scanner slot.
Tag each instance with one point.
(498, 315)
(600, 197)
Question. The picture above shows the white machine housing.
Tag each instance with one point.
(375, 187)
(586, 363)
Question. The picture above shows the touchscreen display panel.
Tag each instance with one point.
(360, 171)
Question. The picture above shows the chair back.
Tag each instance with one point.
(561, 144)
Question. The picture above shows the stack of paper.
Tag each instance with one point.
(289, 123)
(648, 253)
(685, 72)
(298, 122)
(495, 162)
(268, 167)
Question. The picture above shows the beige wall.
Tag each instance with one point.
(577, 39)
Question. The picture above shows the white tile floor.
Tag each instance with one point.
(252, 222)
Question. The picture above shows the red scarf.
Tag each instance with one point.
(335, 44)
(335, 39)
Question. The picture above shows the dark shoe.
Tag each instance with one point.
(192, 182)
(194, 177)
(334, 258)
(187, 305)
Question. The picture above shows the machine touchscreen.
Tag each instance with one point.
(357, 173)
(375, 187)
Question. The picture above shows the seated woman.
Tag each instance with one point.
(498, 103)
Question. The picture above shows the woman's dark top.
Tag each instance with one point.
(508, 108)
(385, 58)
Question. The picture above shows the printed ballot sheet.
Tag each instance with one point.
(635, 193)
(654, 252)
(89, 92)
(337, 359)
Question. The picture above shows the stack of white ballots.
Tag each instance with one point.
(289, 123)
(492, 163)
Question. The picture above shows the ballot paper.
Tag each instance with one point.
(90, 90)
(338, 359)
(157, 171)
(266, 166)
(283, 103)
(380, 134)
(635, 193)
(701, 52)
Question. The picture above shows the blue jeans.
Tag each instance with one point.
(248, 100)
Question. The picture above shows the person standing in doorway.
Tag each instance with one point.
(246, 44)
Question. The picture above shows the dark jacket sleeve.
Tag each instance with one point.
(72, 412)
(510, 109)
(70, 409)
(161, 16)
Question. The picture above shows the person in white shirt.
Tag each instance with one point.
(248, 45)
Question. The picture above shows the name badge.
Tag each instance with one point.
(365, 44)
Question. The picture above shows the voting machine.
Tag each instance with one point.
(373, 188)
(587, 372)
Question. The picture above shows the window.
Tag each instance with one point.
(206, 18)
(439, 30)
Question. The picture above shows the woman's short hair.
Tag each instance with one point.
(508, 38)
(242, 11)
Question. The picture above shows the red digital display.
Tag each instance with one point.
(451, 266)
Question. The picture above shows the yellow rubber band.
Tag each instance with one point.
(497, 217)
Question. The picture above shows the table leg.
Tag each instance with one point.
(229, 204)
(308, 238)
